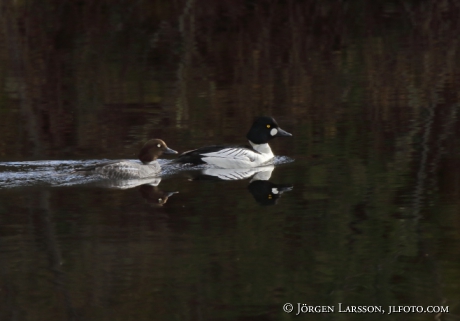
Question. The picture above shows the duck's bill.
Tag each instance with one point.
(284, 188)
(169, 151)
(282, 132)
(168, 194)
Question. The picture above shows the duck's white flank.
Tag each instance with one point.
(234, 157)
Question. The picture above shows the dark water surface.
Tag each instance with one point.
(370, 217)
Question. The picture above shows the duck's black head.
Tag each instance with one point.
(153, 149)
(263, 129)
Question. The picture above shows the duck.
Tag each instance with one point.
(257, 154)
(126, 169)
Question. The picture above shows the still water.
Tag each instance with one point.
(369, 214)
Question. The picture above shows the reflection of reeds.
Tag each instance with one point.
(295, 59)
(97, 76)
(18, 61)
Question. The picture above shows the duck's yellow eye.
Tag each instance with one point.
(269, 196)
(158, 145)
(268, 126)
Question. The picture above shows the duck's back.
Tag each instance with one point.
(223, 156)
(123, 170)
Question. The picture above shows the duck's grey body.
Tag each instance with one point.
(125, 169)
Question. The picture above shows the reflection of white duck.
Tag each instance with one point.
(233, 174)
(266, 192)
(263, 191)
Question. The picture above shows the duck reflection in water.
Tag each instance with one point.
(148, 189)
(263, 191)
(155, 196)
(266, 192)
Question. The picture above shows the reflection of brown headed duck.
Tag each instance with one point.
(125, 169)
(154, 195)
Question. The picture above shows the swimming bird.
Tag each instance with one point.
(258, 153)
(126, 169)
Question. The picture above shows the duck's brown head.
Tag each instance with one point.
(153, 149)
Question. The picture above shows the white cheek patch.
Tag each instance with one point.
(274, 131)
(274, 190)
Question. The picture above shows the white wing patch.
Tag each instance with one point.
(234, 153)
(237, 157)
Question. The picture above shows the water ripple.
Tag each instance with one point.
(62, 172)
